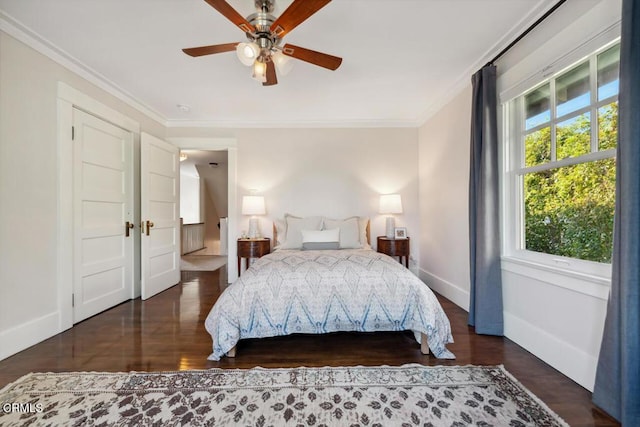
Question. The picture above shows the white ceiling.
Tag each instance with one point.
(202, 158)
(401, 58)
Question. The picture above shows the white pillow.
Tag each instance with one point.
(332, 235)
(349, 231)
(295, 225)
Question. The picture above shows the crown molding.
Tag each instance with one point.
(309, 124)
(22, 33)
(464, 79)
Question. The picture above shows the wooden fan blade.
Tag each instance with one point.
(311, 56)
(272, 79)
(208, 50)
(232, 15)
(295, 14)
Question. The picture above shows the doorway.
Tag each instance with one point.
(204, 209)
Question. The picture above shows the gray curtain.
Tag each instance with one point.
(485, 305)
(617, 387)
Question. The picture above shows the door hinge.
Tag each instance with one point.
(73, 300)
(73, 133)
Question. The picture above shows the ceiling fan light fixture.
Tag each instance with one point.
(262, 48)
(247, 53)
(260, 71)
(284, 64)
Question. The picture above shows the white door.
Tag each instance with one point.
(102, 208)
(160, 213)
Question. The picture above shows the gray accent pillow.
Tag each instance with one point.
(317, 246)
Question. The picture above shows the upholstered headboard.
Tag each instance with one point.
(274, 240)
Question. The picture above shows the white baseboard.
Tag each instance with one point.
(570, 360)
(455, 294)
(30, 333)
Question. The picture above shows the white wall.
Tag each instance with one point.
(332, 172)
(556, 317)
(29, 290)
(190, 198)
(216, 180)
(443, 155)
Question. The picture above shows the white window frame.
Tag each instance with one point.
(515, 257)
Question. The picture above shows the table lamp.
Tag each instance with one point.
(253, 205)
(390, 204)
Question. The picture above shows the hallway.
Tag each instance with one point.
(201, 262)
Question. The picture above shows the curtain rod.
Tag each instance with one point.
(527, 31)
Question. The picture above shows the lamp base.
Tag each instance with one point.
(254, 228)
(391, 227)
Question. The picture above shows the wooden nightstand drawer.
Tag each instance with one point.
(395, 247)
(252, 248)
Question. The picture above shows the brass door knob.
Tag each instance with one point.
(128, 226)
(149, 225)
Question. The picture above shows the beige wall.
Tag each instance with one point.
(29, 186)
(553, 315)
(331, 172)
(444, 197)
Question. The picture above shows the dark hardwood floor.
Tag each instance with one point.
(167, 332)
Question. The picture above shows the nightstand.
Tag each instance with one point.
(395, 247)
(252, 248)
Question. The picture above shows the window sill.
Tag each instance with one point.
(587, 284)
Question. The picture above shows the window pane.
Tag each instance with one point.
(569, 210)
(536, 106)
(608, 72)
(573, 137)
(537, 147)
(572, 90)
(608, 126)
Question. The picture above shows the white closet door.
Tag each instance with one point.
(102, 205)
(160, 213)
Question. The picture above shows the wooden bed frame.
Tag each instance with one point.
(424, 345)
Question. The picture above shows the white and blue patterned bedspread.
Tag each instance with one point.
(316, 292)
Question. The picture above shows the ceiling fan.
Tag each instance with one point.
(263, 50)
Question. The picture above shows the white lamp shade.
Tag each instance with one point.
(247, 53)
(253, 205)
(390, 204)
(284, 64)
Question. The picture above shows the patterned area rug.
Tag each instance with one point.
(408, 395)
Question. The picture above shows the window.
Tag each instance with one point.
(563, 135)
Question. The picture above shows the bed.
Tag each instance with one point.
(311, 286)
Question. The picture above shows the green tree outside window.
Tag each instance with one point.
(568, 211)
